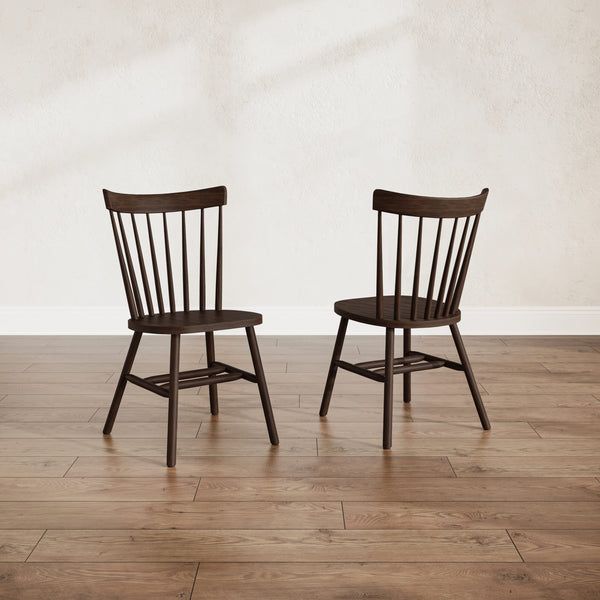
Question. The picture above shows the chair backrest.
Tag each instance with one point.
(463, 216)
(147, 249)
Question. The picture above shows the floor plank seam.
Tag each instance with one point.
(194, 582)
(343, 515)
(513, 543)
(35, 546)
(197, 488)
(71, 466)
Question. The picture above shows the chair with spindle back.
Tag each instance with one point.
(413, 311)
(156, 316)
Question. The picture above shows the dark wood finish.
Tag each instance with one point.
(116, 402)
(414, 311)
(388, 388)
(173, 322)
(173, 400)
(337, 352)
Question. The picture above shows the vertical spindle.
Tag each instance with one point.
(202, 264)
(184, 263)
(398, 286)
(415, 291)
(131, 268)
(455, 270)
(219, 277)
(440, 300)
(169, 267)
(155, 271)
(140, 254)
(125, 275)
(465, 266)
(379, 299)
(433, 271)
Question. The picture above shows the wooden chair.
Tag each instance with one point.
(439, 307)
(159, 317)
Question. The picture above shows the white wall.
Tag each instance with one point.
(301, 109)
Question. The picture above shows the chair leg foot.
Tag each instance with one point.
(262, 386)
(464, 359)
(388, 390)
(173, 401)
(116, 402)
(406, 381)
(210, 359)
(337, 352)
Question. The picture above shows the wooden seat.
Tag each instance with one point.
(439, 305)
(364, 310)
(153, 311)
(195, 321)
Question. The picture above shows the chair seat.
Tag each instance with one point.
(195, 321)
(364, 311)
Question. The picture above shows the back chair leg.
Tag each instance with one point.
(388, 389)
(407, 347)
(114, 407)
(464, 359)
(210, 359)
(337, 352)
(262, 386)
(173, 400)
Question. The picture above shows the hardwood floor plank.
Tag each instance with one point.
(497, 414)
(45, 415)
(93, 430)
(464, 400)
(251, 545)
(385, 581)
(472, 515)
(324, 428)
(399, 489)
(44, 466)
(170, 515)
(562, 429)
(560, 545)
(32, 377)
(26, 489)
(17, 544)
(266, 466)
(115, 445)
(485, 446)
(529, 466)
(98, 581)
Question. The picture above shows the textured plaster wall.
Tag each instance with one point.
(301, 108)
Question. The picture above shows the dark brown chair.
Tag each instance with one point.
(159, 317)
(439, 307)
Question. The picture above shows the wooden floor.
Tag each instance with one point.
(450, 512)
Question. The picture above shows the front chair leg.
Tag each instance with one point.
(388, 388)
(464, 359)
(337, 352)
(173, 400)
(210, 359)
(262, 386)
(114, 407)
(406, 382)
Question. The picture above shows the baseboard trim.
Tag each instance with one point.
(506, 320)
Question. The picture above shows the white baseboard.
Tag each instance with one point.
(513, 320)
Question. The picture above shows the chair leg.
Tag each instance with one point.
(388, 389)
(114, 407)
(337, 352)
(406, 381)
(262, 386)
(210, 359)
(173, 401)
(464, 359)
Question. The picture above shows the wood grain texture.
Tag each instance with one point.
(250, 545)
(327, 514)
(143, 514)
(385, 581)
(100, 581)
(17, 544)
(559, 545)
(472, 515)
